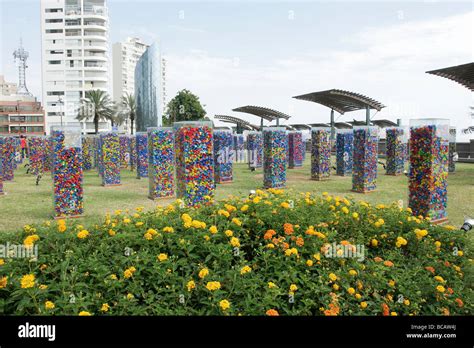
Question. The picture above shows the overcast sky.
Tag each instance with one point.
(234, 53)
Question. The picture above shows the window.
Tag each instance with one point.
(56, 52)
(54, 62)
(54, 20)
(55, 93)
(53, 10)
(54, 31)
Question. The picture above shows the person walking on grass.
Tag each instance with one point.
(23, 146)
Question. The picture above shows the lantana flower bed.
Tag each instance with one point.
(273, 253)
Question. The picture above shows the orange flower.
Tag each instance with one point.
(385, 309)
(269, 234)
(388, 263)
(288, 228)
(430, 269)
(285, 246)
(272, 313)
(446, 311)
(447, 264)
(299, 241)
(459, 302)
(345, 242)
(378, 259)
(332, 311)
(450, 291)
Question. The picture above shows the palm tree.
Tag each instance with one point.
(96, 104)
(128, 102)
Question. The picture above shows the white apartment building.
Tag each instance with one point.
(125, 56)
(74, 37)
(7, 88)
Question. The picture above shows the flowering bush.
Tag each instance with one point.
(273, 253)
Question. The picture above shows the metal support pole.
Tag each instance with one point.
(332, 125)
(278, 121)
(367, 115)
(399, 122)
(261, 123)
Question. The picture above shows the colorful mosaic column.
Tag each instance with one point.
(124, 151)
(223, 156)
(160, 162)
(133, 152)
(429, 168)
(67, 172)
(142, 155)
(397, 139)
(2, 192)
(295, 149)
(194, 162)
(110, 154)
(344, 148)
(255, 149)
(239, 148)
(48, 154)
(37, 154)
(452, 149)
(87, 151)
(274, 157)
(7, 155)
(320, 153)
(364, 170)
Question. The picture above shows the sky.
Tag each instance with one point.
(235, 53)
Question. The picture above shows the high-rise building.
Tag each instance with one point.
(125, 56)
(149, 89)
(74, 37)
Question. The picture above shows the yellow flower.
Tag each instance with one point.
(113, 277)
(235, 242)
(30, 240)
(212, 286)
(237, 222)
(374, 242)
(151, 231)
(162, 257)
(223, 213)
(460, 253)
(440, 288)
(309, 263)
(358, 296)
(335, 287)
(139, 223)
(333, 277)
(148, 236)
(271, 246)
(293, 287)
(400, 242)
(84, 314)
(355, 216)
(439, 279)
(62, 226)
(127, 274)
(345, 210)
(2, 262)
(28, 281)
(256, 200)
(393, 314)
(420, 233)
(186, 218)
(126, 220)
(244, 208)
(229, 233)
(83, 234)
(285, 205)
(271, 285)
(391, 283)
(363, 305)
(224, 304)
(245, 269)
(105, 307)
(49, 305)
(351, 291)
(353, 272)
(130, 296)
(406, 302)
(317, 256)
(203, 273)
(213, 229)
(111, 233)
(3, 282)
(191, 285)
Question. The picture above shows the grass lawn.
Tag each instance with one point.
(27, 203)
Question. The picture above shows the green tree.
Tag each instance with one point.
(184, 107)
(98, 106)
(130, 106)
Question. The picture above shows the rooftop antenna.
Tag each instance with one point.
(21, 56)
